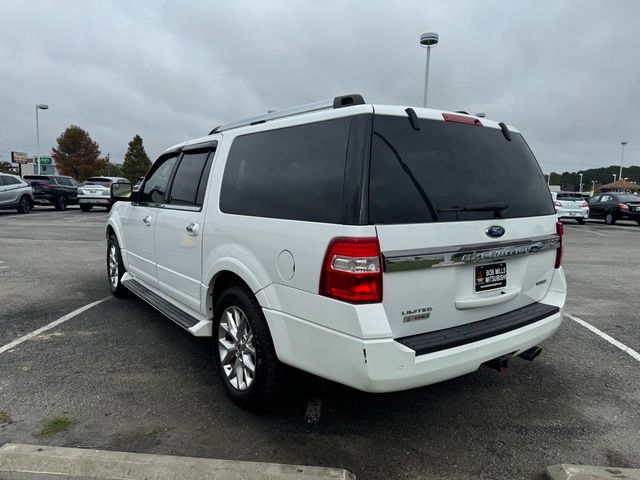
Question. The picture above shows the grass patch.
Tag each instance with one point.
(5, 417)
(53, 426)
(155, 431)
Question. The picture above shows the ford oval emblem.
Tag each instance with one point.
(495, 231)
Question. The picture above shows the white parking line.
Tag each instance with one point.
(609, 339)
(585, 230)
(51, 325)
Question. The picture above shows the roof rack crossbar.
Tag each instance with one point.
(337, 102)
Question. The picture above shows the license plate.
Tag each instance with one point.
(637, 209)
(573, 214)
(491, 276)
(92, 191)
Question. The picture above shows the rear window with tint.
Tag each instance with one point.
(431, 174)
(570, 196)
(628, 198)
(32, 179)
(293, 173)
(98, 181)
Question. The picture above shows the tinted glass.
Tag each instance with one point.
(628, 198)
(295, 173)
(10, 180)
(64, 181)
(105, 182)
(35, 179)
(204, 180)
(187, 178)
(570, 196)
(2, 177)
(155, 188)
(431, 174)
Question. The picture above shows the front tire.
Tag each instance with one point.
(610, 219)
(61, 203)
(85, 208)
(115, 269)
(580, 221)
(26, 204)
(243, 349)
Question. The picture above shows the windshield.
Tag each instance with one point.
(35, 180)
(448, 172)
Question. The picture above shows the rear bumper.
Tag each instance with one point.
(573, 213)
(386, 365)
(95, 201)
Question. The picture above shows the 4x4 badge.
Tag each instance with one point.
(495, 231)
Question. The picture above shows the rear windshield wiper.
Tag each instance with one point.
(485, 207)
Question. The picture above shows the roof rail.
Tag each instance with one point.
(337, 102)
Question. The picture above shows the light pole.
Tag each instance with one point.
(39, 106)
(621, 159)
(614, 177)
(580, 183)
(428, 40)
(593, 187)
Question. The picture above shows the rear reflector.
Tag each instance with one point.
(452, 117)
(557, 203)
(351, 270)
(623, 206)
(560, 232)
(585, 204)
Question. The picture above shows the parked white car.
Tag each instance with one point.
(571, 205)
(95, 192)
(15, 193)
(381, 247)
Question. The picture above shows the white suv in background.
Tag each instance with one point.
(571, 205)
(15, 193)
(382, 247)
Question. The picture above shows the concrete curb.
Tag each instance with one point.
(587, 472)
(30, 462)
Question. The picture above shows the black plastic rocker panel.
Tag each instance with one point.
(156, 301)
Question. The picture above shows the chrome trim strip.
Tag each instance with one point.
(466, 254)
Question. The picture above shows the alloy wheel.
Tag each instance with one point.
(237, 349)
(113, 266)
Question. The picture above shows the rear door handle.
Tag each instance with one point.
(193, 229)
(147, 220)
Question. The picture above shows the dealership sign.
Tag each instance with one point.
(20, 157)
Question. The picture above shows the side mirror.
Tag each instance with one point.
(122, 192)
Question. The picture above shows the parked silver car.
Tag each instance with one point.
(95, 192)
(15, 193)
(571, 205)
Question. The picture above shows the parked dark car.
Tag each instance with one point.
(56, 190)
(612, 207)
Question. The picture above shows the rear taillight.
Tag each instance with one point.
(585, 204)
(560, 232)
(557, 203)
(351, 270)
(623, 206)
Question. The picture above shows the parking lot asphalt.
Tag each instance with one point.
(131, 380)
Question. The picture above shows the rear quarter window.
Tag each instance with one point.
(429, 175)
(294, 173)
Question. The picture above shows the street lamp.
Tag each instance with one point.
(580, 183)
(593, 186)
(621, 159)
(39, 106)
(614, 177)
(428, 40)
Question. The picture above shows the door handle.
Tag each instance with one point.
(147, 220)
(193, 229)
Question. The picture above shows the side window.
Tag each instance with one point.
(294, 173)
(155, 188)
(187, 180)
(64, 181)
(605, 198)
(2, 178)
(11, 181)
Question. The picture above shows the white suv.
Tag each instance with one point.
(381, 247)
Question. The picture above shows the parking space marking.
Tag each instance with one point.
(51, 325)
(609, 339)
(586, 230)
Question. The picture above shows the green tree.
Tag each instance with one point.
(5, 167)
(77, 154)
(136, 162)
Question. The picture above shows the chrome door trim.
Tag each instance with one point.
(400, 260)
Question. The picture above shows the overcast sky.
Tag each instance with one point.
(565, 72)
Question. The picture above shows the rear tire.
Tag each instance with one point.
(254, 379)
(85, 208)
(26, 204)
(580, 221)
(610, 219)
(61, 203)
(115, 269)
